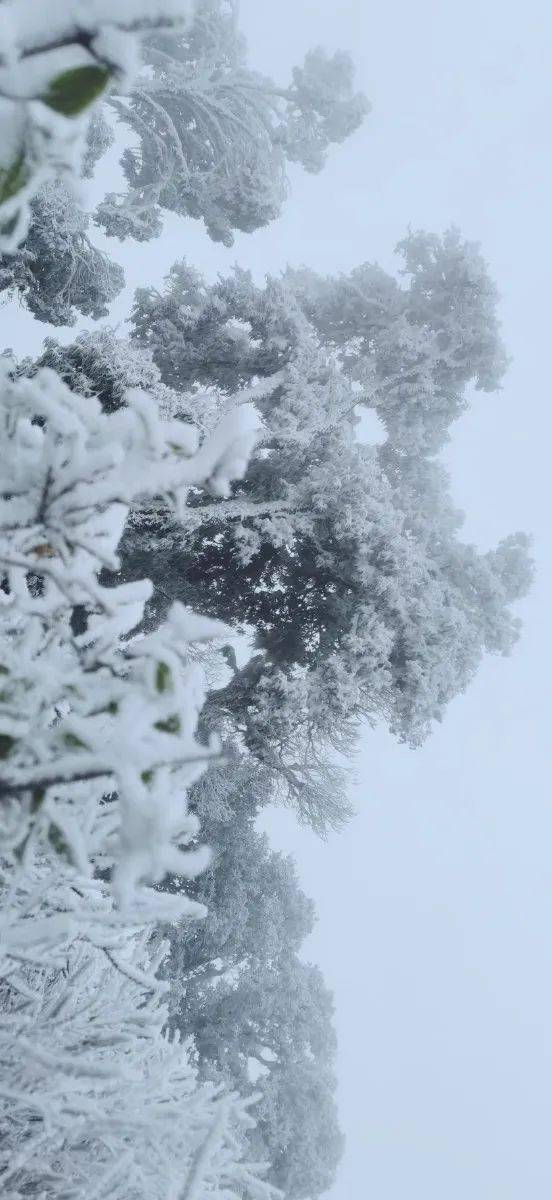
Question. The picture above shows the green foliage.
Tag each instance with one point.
(13, 178)
(170, 725)
(7, 743)
(73, 742)
(163, 678)
(58, 842)
(73, 91)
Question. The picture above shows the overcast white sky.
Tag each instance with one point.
(436, 905)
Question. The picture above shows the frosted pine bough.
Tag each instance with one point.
(97, 748)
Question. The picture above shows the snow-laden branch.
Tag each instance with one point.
(56, 61)
(126, 717)
(95, 1100)
(97, 750)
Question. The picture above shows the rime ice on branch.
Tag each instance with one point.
(83, 709)
(97, 748)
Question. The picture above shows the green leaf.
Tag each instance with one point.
(7, 227)
(58, 841)
(37, 799)
(71, 739)
(163, 678)
(73, 91)
(146, 777)
(11, 182)
(171, 725)
(7, 744)
(20, 849)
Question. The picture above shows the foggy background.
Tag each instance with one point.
(435, 905)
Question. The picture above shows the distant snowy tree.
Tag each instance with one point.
(276, 1014)
(364, 603)
(343, 559)
(255, 907)
(412, 350)
(100, 364)
(57, 270)
(278, 1028)
(297, 1128)
(219, 335)
(214, 137)
(99, 138)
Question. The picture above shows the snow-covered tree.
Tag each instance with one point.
(364, 602)
(100, 364)
(344, 559)
(217, 335)
(213, 137)
(97, 748)
(69, 473)
(57, 271)
(255, 907)
(412, 351)
(297, 1129)
(99, 137)
(236, 982)
(274, 1018)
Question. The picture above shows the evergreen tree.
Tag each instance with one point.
(215, 137)
(255, 908)
(412, 351)
(277, 1014)
(344, 559)
(102, 365)
(57, 270)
